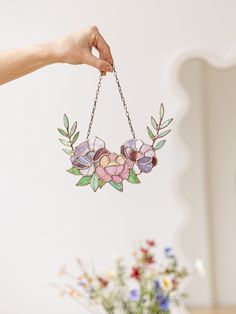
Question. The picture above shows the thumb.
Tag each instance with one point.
(101, 65)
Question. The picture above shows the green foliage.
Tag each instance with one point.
(62, 132)
(75, 137)
(157, 126)
(159, 145)
(162, 111)
(117, 186)
(150, 133)
(73, 128)
(162, 134)
(68, 151)
(74, 170)
(101, 183)
(94, 182)
(166, 123)
(154, 123)
(133, 178)
(64, 142)
(84, 181)
(66, 122)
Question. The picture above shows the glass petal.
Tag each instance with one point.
(144, 160)
(145, 148)
(102, 174)
(117, 179)
(88, 171)
(111, 170)
(139, 144)
(120, 159)
(112, 156)
(136, 169)
(146, 168)
(99, 153)
(95, 143)
(104, 161)
(82, 148)
(84, 160)
(125, 173)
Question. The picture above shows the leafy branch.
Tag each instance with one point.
(158, 127)
(70, 134)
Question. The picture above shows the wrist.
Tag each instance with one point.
(47, 52)
(55, 50)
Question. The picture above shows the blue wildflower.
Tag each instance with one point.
(157, 284)
(134, 295)
(164, 301)
(169, 251)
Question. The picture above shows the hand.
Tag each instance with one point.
(76, 48)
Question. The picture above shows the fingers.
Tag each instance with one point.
(102, 65)
(101, 45)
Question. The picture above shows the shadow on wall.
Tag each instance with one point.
(209, 184)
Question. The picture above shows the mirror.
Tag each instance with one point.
(209, 181)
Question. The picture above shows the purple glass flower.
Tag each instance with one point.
(87, 155)
(141, 157)
(134, 295)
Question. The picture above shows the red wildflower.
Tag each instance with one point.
(144, 251)
(135, 273)
(151, 243)
(149, 259)
(175, 283)
(103, 282)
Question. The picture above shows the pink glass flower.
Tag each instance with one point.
(112, 167)
(141, 157)
(87, 155)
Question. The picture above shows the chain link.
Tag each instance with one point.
(94, 105)
(122, 99)
(124, 103)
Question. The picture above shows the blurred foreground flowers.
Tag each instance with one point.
(150, 285)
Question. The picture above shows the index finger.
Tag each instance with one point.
(103, 48)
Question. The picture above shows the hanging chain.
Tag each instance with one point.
(122, 99)
(124, 103)
(94, 105)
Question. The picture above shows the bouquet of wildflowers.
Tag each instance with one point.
(150, 285)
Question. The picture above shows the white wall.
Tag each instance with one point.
(45, 219)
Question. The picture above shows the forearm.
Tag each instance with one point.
(75, 48)
(18, 62)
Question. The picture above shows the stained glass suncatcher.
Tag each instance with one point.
(96, 166)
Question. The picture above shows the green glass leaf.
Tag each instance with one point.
(75, 137)
(159, 145)
(101, 183)
(74, 171)
(154, 123)
(69, 152)
(162, 134)
(117, 186)
(166, 123)
(133, 178)
(62, 132)
(162, 111)
(151, 135)
(73, 128)
(64, 142)
(84, 181)
(94, 182)
(66, 122)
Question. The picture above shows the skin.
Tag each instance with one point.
(75, 48)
